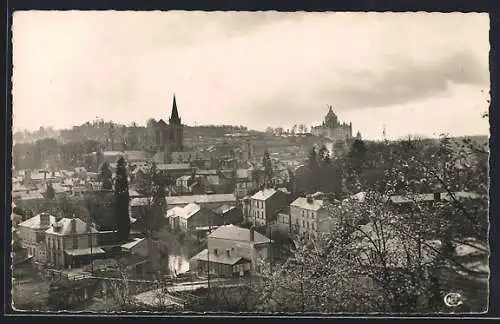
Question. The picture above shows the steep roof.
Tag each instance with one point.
(65, 227)
(264, 194)
(174, 116)
(301, 202)
(35, 222)
(235, 233)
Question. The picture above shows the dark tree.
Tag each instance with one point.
(106, 177)
(268, 166)
(122, 199)
(50, 192)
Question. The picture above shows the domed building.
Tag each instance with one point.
(333, 129)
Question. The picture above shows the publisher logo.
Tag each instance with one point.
(453, 300)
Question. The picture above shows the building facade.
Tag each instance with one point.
(308, 215)
(232, 251)
(32, 233)
(265, 205)
(70, 242)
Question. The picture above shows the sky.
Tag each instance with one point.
(410, 73)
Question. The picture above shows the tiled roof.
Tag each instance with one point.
(64, 225)
(302, 202)
(173, 166)
(140, 201)
(221, 257)
(86, 251)
(184, 212)
(264, 194)
(223, 209)
(132, 244)
(136, 155)
(34, 222)
(235, 233)
(190, 210)
(200, 199)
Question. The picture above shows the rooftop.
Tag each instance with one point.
(235, 233)
(132, 244)
(173, 166)
(64, 226)
(35, 222)
(200, 199)
(224, 209)
(221, 257)
(313, 204)
(264, 194)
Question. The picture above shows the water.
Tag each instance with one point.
(178, 263)
(179, 251)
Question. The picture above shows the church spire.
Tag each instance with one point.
(174, 117)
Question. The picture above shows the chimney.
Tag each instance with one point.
(44, 219)
(309, 199)
(252, 234)
(73, 225)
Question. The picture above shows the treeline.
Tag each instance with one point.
(398, 167)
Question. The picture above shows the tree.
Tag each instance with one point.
(268, 166)
(50, 192)
(106, 176)
(122, 200)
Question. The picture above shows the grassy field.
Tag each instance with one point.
(31, 296)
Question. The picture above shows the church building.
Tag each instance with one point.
(333, 129)
(163, 139)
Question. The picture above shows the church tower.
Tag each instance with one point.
(175, 130)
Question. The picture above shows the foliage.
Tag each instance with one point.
(100, 207)
(396, 257)
(106, 176)
(122, 200)
(268, 166)
(50, 192)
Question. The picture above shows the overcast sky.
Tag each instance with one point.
(415, 73)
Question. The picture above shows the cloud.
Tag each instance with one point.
(256, 69)
(409, 81)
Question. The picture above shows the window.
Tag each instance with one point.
(303, 223)
(312, 215)
(303, 213)
(307, 225)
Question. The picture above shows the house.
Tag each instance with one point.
(135, 256)
(32, 232)
(229, 214)
(308, 215)
(71, 243)
(186, 219)
(265, 205)
(232, 251)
